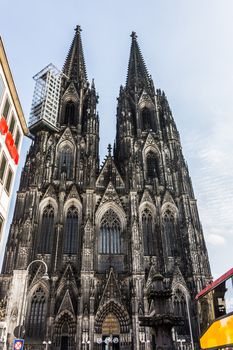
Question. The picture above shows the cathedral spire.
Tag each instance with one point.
(74, 67)
(137, 75)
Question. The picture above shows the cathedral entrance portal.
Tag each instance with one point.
(111, 333)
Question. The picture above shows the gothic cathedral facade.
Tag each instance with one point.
(103, 232)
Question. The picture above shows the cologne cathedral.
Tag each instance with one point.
(110, 256)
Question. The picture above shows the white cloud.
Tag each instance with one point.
(215, 239)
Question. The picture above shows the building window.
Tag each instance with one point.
(12, 123)
(37, 314)
(110, 232)
(180, 309)
(148, 234)
(66, 162)
(1, 225)
(9, 180)
(70, 113)
(17, 138)
(6, 109)
(2, 88)
(152, 166)
(71, 232)
(169, 232)
(2, 167)
(146, 119)
(46, 230)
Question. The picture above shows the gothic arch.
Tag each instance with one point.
(64, 330)
(147, 119)
(62, 143)
(150, 206)
(65, 154)
(152, 168)
(70, 97)
(48, 201)
(36, 311)
(116, 208)
(151, 147)
(71, 230)
(181, 303)
(110, 232)
(41, 284)
(147, 223)
(47, 229)
(170, 206)
(169, 225)
(72, 202)
(118, 310)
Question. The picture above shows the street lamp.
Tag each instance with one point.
(47, 343)
(86, 343)
(181, 341)
(45, 277)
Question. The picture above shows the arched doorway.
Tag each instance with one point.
(112, 327)
(110, 333)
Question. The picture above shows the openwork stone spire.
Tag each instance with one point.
(74, 67)
(137, 76)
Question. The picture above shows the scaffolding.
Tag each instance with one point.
(45, 102)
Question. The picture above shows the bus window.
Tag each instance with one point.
(229, 295)
(223, 298)
(219, 300)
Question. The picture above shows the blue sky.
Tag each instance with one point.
(188, 49)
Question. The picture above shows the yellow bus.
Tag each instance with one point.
(215, 311)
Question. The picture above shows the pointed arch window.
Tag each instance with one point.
(146, 115)
(169, 232)
(148, 234)
(180, 309)
(152, 166)
(110, 232)
(70, 241)
(66, 162)
(47, 230)
(37, 314)
(70, 113)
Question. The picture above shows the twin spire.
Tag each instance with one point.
(75, 68)
(137, 75)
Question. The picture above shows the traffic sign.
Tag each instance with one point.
(18, 344)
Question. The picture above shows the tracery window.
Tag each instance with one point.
(37, 314)
(169, 231)
(110, 231)
(65, 162)
(180, 309)
(46, 230)
(148, 234)
(152, 165)
(70, 113)
(146, 119)
(70, 240)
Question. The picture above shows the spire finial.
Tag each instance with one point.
(137, 77)
(109, 150)
(134, 35)
(74, 67)
(78, 29)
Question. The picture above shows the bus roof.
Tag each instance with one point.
(215, 283)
